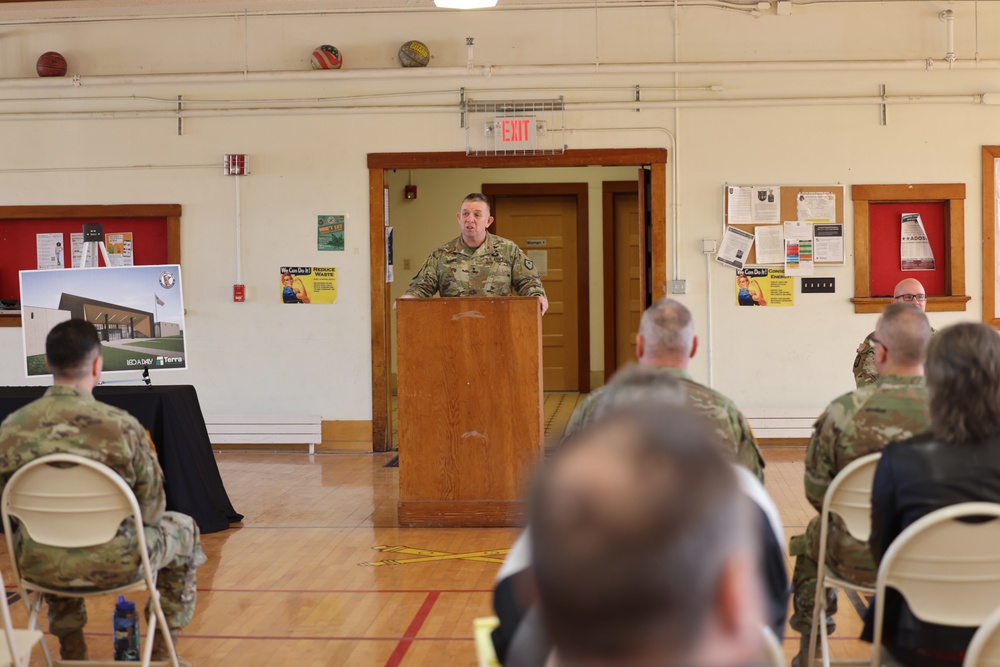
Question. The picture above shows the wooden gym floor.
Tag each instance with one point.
(319, 573)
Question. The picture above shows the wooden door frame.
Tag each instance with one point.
(580, 192)
(609, 190)
(381, 308)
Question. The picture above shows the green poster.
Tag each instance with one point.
(330, 232)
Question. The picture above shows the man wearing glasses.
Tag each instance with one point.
(907, 291)
(855, 425)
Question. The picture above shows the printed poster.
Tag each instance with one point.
(119, 248)
(914, 249)
(330, 232)
(828, 242)
(308, 284)
(735, 247)
(816, 206)
(389, 271)
(798, 248)
(49, 250)
(764, 287)
(76, 252)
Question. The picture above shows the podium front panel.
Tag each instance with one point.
(469, 378)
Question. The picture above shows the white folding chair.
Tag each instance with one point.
(984, 649)
(849, 496)
(15, 645)
(947, 570)
(771, 653)
(69, 501)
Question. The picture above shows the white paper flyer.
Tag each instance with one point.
(735, 247)
(798, 249)
(914, 249)
(49, 251)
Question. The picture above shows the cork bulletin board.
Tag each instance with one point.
(787, 200)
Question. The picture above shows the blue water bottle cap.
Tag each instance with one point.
(124, 605)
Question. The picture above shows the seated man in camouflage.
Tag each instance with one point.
(907, 291)
(666, 341)
(68, 420)
(855, 425)
(477, 263)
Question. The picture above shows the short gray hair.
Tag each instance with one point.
(667, 328)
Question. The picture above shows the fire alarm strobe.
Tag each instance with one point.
(236, 165)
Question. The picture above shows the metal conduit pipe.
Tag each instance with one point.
(490, 71)
(974, 98)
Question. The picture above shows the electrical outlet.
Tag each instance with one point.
(816, 285)
(678, 286)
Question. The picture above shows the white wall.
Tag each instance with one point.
(262, 357)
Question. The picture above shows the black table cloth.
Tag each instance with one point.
(173, 417)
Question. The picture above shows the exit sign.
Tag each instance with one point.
(514, 133)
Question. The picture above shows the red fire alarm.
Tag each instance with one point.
(239, 293)
(410, 191)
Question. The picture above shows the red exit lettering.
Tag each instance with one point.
(514, 130)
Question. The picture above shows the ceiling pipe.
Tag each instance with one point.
(490, 71)
(948, 16)
(407, 108)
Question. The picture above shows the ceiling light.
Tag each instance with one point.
(465, 4)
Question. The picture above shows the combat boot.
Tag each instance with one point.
(73, 646)
(802, 659)
(160, 651)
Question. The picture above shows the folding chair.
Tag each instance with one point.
(849, 496)
(984, 649)
(69, 501)
(947, 570)
(481, 629)
(15, 645)
(771, 653)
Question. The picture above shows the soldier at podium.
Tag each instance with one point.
(477, 263)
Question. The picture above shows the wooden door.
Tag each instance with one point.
(627, 252)
(545, 228)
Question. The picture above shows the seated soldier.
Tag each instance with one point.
(67, 419)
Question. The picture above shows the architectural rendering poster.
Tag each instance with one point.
(138, 312)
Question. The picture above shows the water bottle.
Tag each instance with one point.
(126, 629)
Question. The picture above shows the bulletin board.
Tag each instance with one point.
(788, 204)
(155, 235)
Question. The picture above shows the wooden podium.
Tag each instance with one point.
(469, 378)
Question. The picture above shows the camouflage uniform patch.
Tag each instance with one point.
(729, 422)
(70, 420)
(496, 268)
(854, 425)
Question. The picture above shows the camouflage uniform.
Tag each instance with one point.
(864, 363)
(854, 425)
(69, 420)
(496, 268)
(730, 424)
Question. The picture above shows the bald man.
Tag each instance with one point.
(907, 291)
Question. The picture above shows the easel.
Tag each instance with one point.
(93, 240)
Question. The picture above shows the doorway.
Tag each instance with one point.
(549, 221)
(379, 163)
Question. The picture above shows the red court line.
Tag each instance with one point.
(340, 590)
(411, 632)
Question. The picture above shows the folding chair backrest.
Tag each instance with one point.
(849, 495)
(984, 649)
(67, 501)
(947, 569)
